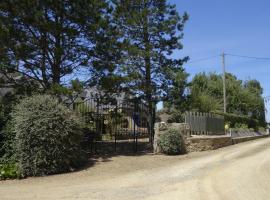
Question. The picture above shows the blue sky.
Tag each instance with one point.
(239, 27)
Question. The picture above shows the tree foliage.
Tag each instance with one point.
(243, 97)
(177, 101)
(150, 31)
(177, 97)
(50, 40)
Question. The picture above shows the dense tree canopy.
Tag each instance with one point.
(243, 97)
(151, 31)
(52, 39)
(116, 45)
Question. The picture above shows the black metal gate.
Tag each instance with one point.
(114, 126)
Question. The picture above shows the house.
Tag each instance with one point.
(120, 114)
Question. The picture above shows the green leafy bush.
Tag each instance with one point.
(7, 145)
(7, 103)
(5, 110)
(48, 137)
(171, 142)
(234, 120)
(176, 117)
(9, 171)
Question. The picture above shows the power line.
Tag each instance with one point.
(224, 83)
(228, 54)
(203, 59)
(266, 99)
(250, 57)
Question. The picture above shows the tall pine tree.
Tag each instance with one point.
(151, 30)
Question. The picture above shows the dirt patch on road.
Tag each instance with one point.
(102, 168)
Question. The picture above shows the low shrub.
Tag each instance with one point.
(48, 137)
(171, 142)
(241, 126)
(176, 117)
(240, 120)
(9, 171)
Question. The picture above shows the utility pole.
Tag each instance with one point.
(266, 102)
(266, 99)
(224, 82)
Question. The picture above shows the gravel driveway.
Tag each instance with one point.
(239, 172)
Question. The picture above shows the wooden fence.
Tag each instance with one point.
(205, 123)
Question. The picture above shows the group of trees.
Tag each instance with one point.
(61, 46)
(243, 97)
(48, 40)
(116, 45)
(205, 94)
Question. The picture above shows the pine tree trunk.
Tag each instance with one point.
(43, 61)
(148, 82)
(56, 72)
(149, 98)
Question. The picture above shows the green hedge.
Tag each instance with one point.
(48, 137)
(235, 120)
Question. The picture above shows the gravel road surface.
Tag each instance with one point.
(239, 172)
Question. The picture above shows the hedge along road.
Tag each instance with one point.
(234, 173)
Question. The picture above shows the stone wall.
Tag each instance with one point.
(191, 143)
(245, 139)
(204, 143)
(195, 143)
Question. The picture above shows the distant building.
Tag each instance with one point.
(133, 113)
